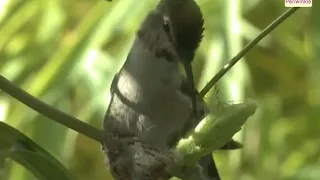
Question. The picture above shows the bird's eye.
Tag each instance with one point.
(167, 27)
(166, 24)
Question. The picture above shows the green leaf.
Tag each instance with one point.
(23, 150)
(212, 133)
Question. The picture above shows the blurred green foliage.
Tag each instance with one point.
(66, 53)
(21, 149)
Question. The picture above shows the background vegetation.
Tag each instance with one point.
(66, 53)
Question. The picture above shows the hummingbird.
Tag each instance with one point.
(152, 104)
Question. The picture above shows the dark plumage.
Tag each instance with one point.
(183, 23)
(186, 25)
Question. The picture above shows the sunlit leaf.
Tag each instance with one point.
(213, 133)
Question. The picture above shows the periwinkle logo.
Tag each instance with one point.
(298, 3)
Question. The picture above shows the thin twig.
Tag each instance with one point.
(245, 50)
(49, 111)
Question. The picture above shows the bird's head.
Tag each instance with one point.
(184, 23)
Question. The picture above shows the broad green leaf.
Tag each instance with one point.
(213, 133)
(23, 150)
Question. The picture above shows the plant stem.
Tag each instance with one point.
(49, 111)
(245, 50)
